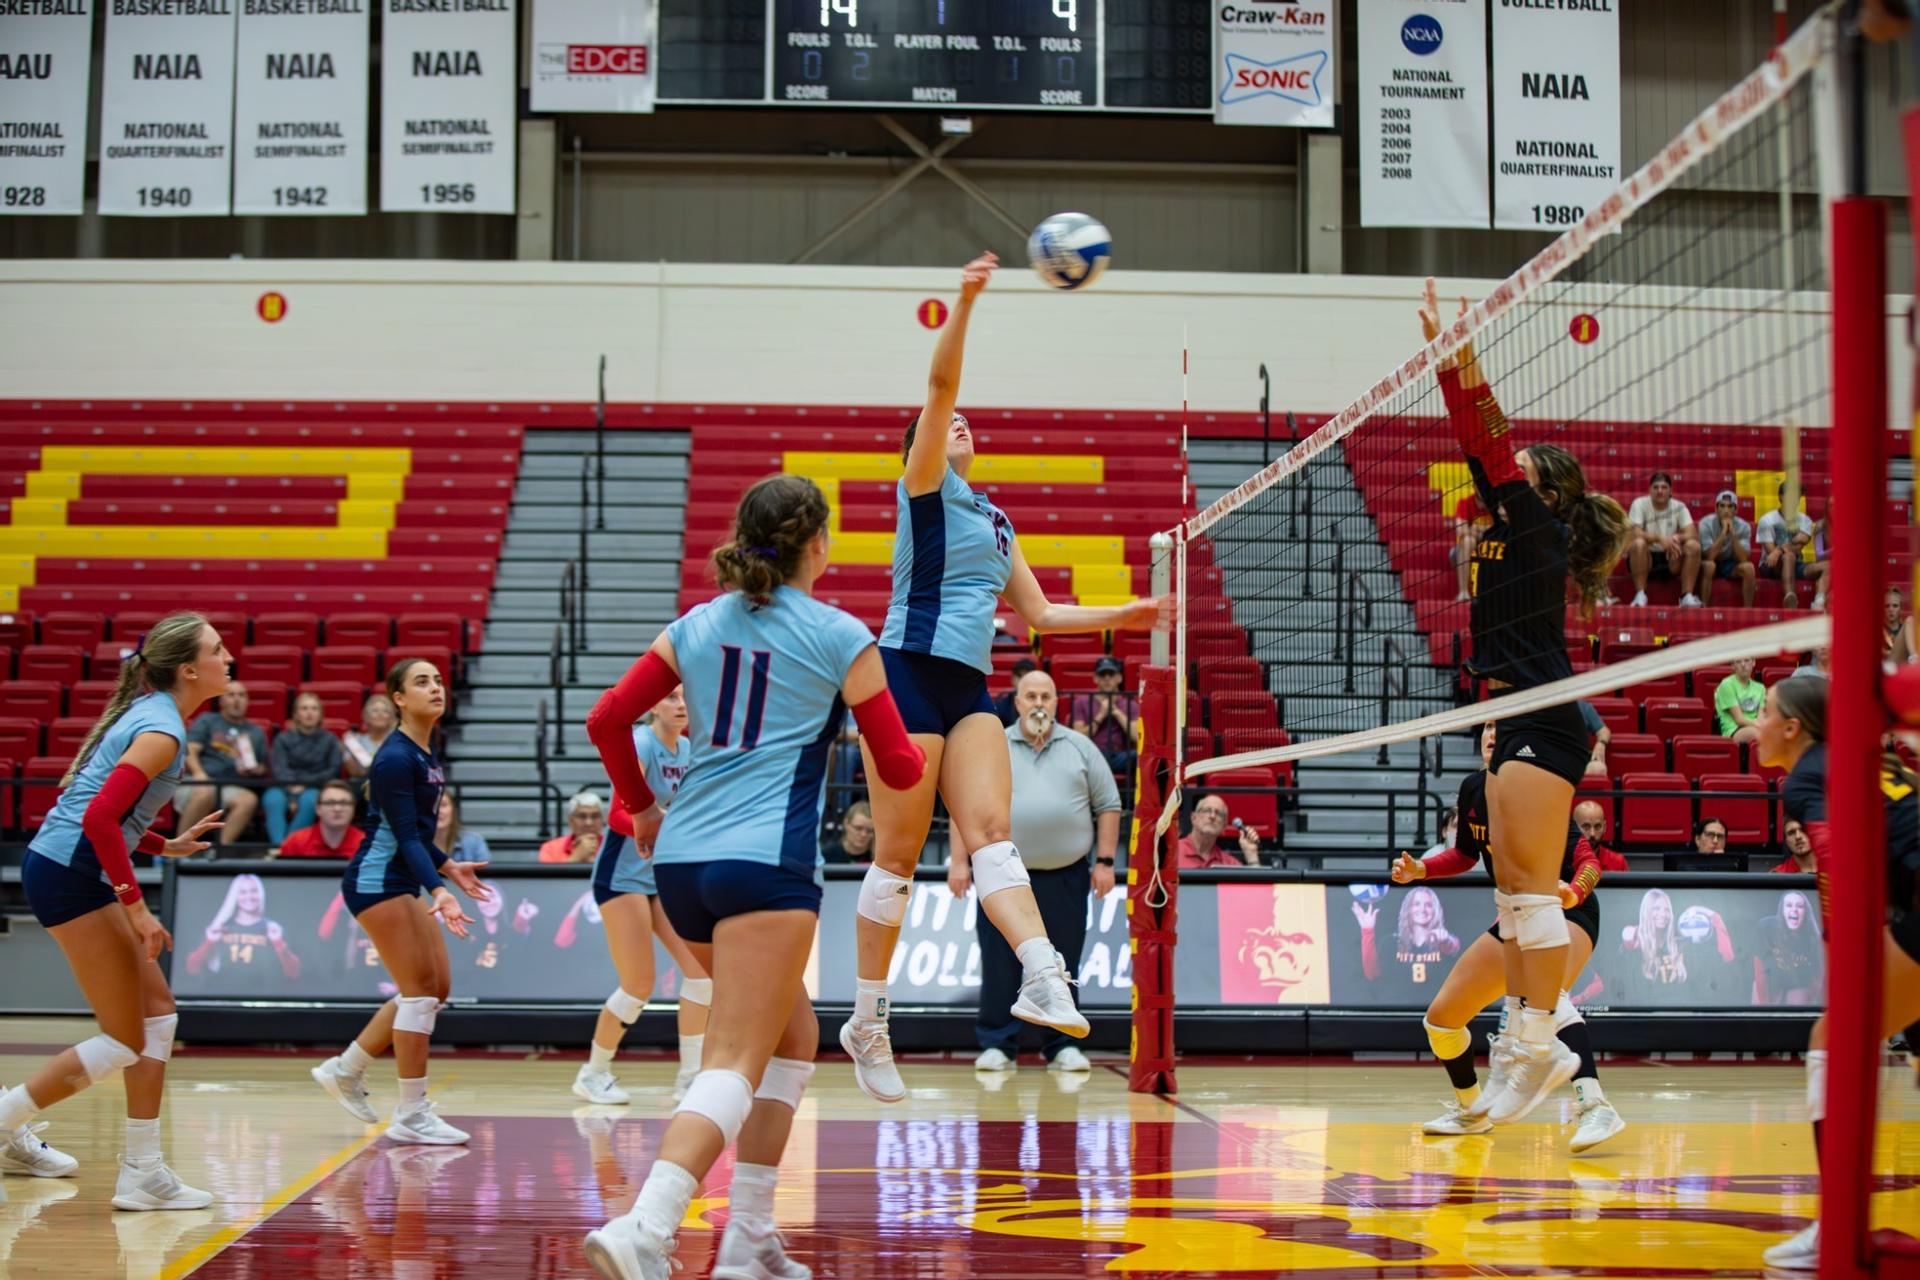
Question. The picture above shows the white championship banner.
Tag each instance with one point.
(1274, 64)
(300, 107)
(1423, 113)
(166, 108)
(1556, 111)
(46, 69)
(448, 114)
(593, 55)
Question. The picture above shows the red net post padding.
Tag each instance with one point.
(1152, 888)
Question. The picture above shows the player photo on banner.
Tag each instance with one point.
(1709, 948)
(1274, 64)
(43, 109)
(166, 112)
(593, 55)
(1273, 944)
(1423, 113)
(300, 110)
(448, 126)
(1393, 944)
(1556, 112)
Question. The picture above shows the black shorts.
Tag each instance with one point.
(934, 694)
(697, 896)
(1554, 739)
(1660, 568)
(1585, 917)
(59, 894)
(1905, 926)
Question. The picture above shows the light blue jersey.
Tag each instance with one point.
(952, 556)
(763, 710)
(61, 838)
(619, 868)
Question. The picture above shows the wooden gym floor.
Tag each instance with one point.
(1254, 1170)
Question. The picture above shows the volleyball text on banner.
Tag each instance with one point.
(1556, 112)
(46, 68)
(166, 111)
(1274, 64)
(593, 55)
(448, 124)
(300, 109)
(1423, 113)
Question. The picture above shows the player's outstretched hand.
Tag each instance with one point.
(974, 276)
(447, 907)
(188, 842)
(466, 877)
(1407, 869)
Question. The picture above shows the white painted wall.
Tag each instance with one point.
(365, 330)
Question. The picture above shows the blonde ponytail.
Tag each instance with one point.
(153, 665)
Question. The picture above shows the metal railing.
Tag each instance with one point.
(600, 452)
(1266, 416)
(1304, 484)
(556, 672)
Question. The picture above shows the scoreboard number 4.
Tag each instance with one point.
(1067, 11)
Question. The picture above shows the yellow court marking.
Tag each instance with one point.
(213, 542)
(203, 1252)
(193, 459)
(997, 468)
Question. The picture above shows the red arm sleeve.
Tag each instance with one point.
(1448, 862)
(899, 761)
(151, 844)
(610, 726)
(619, 821)
(101, 823)
(1586, 872)
(1481, 428)
(1369, 957)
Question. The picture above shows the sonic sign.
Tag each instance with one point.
(1274, 63)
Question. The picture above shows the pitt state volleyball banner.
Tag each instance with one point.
(300, 107)
(1274, 64)
(166, 108)
(1423, 113)
(1556, 110)
(46, 68)
(448, 126)
(593, 55)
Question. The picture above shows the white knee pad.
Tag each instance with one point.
(1503, 913)
(159, 1045)
(1816, 1084)
(997, 866)
(724, 1097)
(102, 1056)
(1564, 1014)
(624, 1006)
(417, 1013)
(696, 991)
(1448, 1043)
(1539, 924)
(785, 1080)
(883, 896)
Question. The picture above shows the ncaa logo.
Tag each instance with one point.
(1421, 34)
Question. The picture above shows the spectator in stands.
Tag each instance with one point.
(586, 822)
(1449, 829)
(1818, 663)
(1201, 847)
(1799, 859)
(1591, 818)
(1469, 518)
(225, 747)
(377, 720)
(1897, 638)
(854, 846)
(1783, 539)
(303, 757)
(1737, 702)
(1726, 548)
(1601, 735)
(1665, 543)
(1003, 705)
(1709, 836)
(455, 840)
(333, 834)
(1107, 716)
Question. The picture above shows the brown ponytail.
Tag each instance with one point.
(155, 663)
(772, 526)
(1597, 523)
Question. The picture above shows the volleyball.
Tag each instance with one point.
(1367, 892)
(1069, 250)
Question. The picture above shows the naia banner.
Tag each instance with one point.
(166, 108)
(300, 108)
(46, 68)
(1423, 113)
(1274, 64)
(593, 55)
(1556, 110)
(448, 80)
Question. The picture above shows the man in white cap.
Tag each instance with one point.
(586, 823)
(1726, 544)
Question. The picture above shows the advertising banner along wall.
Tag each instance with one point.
(1556, 112)
(166, 112)
(1275, 64)
(447, 114)
(46, 69)
(1423, 113)
(300, 109)
(593, 55)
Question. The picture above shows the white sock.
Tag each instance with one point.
(1586, 1092)
(1035, 954)
(413, 1093)
(1509, 1010)
(600, 1059)
(690, 1050)
(355, 1060)
(870, 999)
(664, 1197)
(16, 1108)
(143, 1141)
(751, 1195)
(1536, 1026)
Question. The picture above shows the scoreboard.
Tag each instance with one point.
(1077, 55)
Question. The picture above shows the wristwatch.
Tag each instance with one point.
(1103, 862)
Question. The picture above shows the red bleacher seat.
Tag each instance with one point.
(104, 662)
(130, 624)
(1673, 686)
(231, 624)
(38, 801)
(340, 699)
(1671, 717)
(1216, 641)
(1746, 819)
(8, 793)
(1655, 820)
(1619, 714)
(1129, 645)
(1216, 674)
(1618, 643)
(19, 739)
(1774, 670)
(1258, 807)
(267, 698)
(1636, 753)
(444, 660)
(65, 735)
(1234, 741)
(427, 628)
(16, 630)
(1695, 754)
(65, 626)
(88, 698)
(272, 662)
(1199, 743)
(1061, 643)
(1073, 672)
(6, 662)
(60, 663)
(33, 699)
(372, 629)
(343, 662)
(1707, 679)
(301, 630)
(1238, 710)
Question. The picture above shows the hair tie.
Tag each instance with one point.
(138, 644)
(765, 553)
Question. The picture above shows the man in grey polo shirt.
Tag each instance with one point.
(1065, 808)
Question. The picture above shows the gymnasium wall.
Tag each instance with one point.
(737, 334)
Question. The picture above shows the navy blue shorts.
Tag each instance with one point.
(57, 893)
(699, 895)
(934, 694)
(358, 901)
